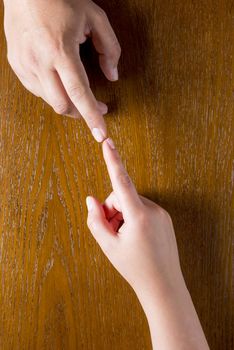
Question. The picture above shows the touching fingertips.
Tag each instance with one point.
(98, 134)
(110, 143)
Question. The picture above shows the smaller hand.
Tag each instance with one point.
(136, 235)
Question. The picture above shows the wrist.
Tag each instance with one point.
(161, 289)
(172, 317)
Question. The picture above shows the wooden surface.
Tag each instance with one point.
(172, 118)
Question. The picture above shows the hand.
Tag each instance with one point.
(43, 39)
(136, 234)
(138, 238)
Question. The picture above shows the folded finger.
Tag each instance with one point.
(111, 206)
(98, 224)
(56, 94)
(106, 43)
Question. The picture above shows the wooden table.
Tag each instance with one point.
(171, 116)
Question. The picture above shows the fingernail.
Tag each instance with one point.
(110, 143)
(89, 203)
(114, 74)
(102, 107)
(98, 135)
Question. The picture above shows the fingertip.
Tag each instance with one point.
(111, 155)
(105, 149)
(98, 128)
(102, 107)
(108, 148)
(99, 134)
(109, 143)
(94, 206)
(96, 214)
(90, 203)
(114, 74)
(97, 222)
(111, 72)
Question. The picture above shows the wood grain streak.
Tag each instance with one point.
(172, 117)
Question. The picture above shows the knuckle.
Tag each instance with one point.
(76, 92)
(53, 47)
(55, 51)
(23, 63)
(30, 60)
(100, 14)
(116, 49)
(62, 108)
(142, 219)
(162, 213)
(124, 179)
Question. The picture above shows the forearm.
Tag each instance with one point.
(172, 318)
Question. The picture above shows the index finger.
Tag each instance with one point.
(76, 84)
(123, 187)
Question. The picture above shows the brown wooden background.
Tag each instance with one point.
(172, 119)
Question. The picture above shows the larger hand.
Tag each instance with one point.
(43, 39)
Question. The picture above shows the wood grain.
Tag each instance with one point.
(171, 115)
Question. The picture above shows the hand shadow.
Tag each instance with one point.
(130, 28)
(198, 228)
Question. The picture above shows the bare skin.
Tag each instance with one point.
(138, 238)
(43, 40)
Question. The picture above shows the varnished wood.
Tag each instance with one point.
(172, 119)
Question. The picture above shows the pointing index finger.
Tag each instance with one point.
(122, 184)
(76, 84)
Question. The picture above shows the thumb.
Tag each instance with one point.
(99, 226)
